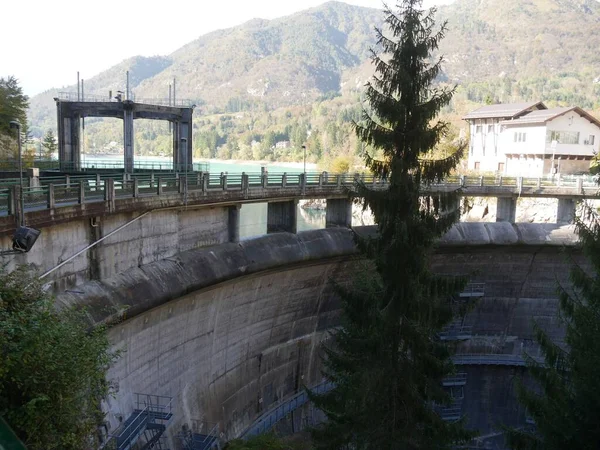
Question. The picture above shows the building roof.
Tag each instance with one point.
(506, 111)
(543, 116)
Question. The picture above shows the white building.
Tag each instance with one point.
(529, 139)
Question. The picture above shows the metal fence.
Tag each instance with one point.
(67, 190)
(75, 97)
(275, 414)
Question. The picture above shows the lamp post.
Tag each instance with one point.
(16, 124)
(304, 148)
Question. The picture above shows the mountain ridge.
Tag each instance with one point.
(499, 50)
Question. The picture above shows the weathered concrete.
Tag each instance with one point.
(506, 209)
(281, 216)
(157, 236)
(520, 288)
(226, 330)
(234, 223)
(338, 212)
(229, 330)
(566, 210)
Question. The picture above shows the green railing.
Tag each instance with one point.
(71, 190)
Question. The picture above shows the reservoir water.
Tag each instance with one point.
(253, 216)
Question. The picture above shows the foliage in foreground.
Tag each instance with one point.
(566, 408)
(52, 368)
(13, 106)
(387, 362)
(266, 442)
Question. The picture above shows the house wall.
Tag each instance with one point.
(532, 157)
(574, 122)
(484, 147)
(526, 165)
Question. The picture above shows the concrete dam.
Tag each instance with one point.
(230, 330)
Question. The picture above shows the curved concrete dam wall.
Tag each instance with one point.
(229, 330)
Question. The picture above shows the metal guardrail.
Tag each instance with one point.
(473, 290)
(74, 97)
(456, 333)
(201, 435)
(459, 379)
(91, 188)
(267, 420)
(490, 359)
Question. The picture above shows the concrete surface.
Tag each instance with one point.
(229, 330)
(157, 236)
(226, 330)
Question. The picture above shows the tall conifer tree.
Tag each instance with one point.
(566, 407)
(386, 360)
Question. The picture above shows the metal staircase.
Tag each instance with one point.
(201, 436)
(454, 384)
(148, 422)
(473, 290)
(457, 330)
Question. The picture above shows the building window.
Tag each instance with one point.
(520, 137)
(590, 140)
(562, 137)
(477, 129)
(477, 166)
(490, 128)
(501, 167)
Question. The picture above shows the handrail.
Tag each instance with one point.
(260, 425)
(120, 432)
(491, 359)
(75, 97)
(76, 189)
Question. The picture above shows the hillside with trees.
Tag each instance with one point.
(301, 77)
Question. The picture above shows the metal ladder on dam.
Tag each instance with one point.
(147, 422)
(454, 385)
(200, 436)
(457, 330)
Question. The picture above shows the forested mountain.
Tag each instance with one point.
(525, 49)
(306, 71)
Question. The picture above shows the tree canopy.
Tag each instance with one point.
(52, 367)
(13, 104)
(49, 144)
(386, 361)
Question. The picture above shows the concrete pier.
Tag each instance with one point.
(281, 216)
(234, 223)
(338, 213)
(506, 209)
(565, 212)
(68, 126)
(128, 137)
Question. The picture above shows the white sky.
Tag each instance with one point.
(53, 39)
